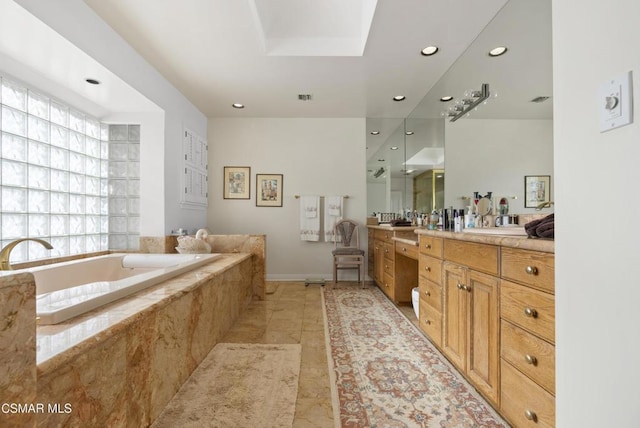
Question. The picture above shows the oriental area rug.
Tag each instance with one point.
(385, 373)
(238, 385)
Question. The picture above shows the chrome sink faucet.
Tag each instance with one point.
(6, 251)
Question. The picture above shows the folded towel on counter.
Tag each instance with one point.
(541, 228)
(332, 214)
(309, 226)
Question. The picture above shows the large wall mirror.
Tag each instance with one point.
(426, 161)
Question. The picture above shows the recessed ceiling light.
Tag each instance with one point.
(446, 98)
(500, 50)
(408, 133)
(394, 147)
(429, 50)
(237, 105)
(92, 81)
(375, 132)
(399, 98)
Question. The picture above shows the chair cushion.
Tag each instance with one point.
(347, 252)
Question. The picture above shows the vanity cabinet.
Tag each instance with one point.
(384, 263)
(471, 321)
(527, 309)
(430, 284)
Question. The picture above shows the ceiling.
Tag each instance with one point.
(352, 56)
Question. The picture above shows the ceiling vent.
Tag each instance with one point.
(305, 97)
(540, 99)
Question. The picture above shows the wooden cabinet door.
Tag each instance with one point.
(379, 261)
(483, 358)
(454, 311)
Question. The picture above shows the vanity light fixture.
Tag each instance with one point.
(237, 105)
(469, 102)
(497, 51)
(92, 81)
(375, 132)
(399, 98)
(446, 98)
(429, 50)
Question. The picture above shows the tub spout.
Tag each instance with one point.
(6, 251)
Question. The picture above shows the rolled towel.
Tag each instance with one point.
(547, 233)
(530, 227)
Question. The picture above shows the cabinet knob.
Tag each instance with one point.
(427, 293)
(531, 360)
(531, 270)
(467, 288)
(531, 312)
(427, 246)
(404, 248)
(531, 415)
(427, 322)
(460, 286)
(427, 268)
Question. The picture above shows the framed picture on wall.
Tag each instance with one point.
(237, 182)
(268, 190)
(537, 190)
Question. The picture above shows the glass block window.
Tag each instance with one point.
(56, 177)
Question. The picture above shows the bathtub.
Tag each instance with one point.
(68, 289)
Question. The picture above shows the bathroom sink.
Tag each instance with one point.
(497, 231)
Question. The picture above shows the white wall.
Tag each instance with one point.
(74, 20)
(316, 156)
(494, 156)
(597, 256)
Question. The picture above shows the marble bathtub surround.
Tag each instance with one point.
(127, 360)
(17, 346)
(253, 244)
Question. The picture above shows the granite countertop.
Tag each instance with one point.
(389, 227)
(525, 243)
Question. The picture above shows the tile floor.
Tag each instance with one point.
(293, 314)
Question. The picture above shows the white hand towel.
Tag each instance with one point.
(332, 214)
(309, 226)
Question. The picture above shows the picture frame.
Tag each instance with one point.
(537, 190)
(269, 190)
(237, 182)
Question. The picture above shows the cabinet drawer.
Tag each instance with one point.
(387, 267)
(531, 355)
(529, 267)
(431, 323)
(388, 250)
(531, 309)
(524, 403)
(431, 246)
(406, 234)
(430, 268)
(407, 250)
(384, 235)
(482, 257)
(387, 285)
(431, 294)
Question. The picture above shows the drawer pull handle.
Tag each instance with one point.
(427, 268)
(531, 415)
(531, 360)
(531, 312)
(427, 246)
(531, 270)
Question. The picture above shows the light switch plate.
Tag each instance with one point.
(615, 102)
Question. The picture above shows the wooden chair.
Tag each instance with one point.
(347, 253)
